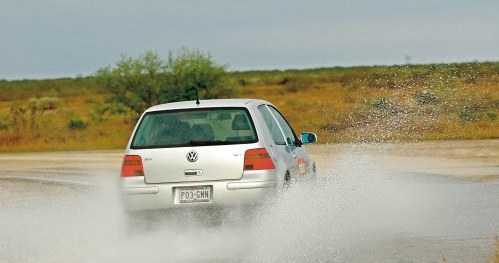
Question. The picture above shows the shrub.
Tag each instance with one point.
(494, 104)
(295, 84)
(426, 97)
(467, 114)
(45, 103)
(3, 126)
(32, 103)
(492, 116)
(348, 86)
(91, 101)
(242, 82)
(141, 82)
(382, 103)
(5, 118)
(77, 124)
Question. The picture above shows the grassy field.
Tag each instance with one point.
(495, 256)
(358, 104)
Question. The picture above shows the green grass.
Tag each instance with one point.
(377, 103)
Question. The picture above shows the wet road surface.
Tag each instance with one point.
(411, 202)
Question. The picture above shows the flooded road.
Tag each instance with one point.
(408, 202)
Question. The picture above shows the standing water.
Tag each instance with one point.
(370, 203)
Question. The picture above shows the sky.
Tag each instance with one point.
(68, 38)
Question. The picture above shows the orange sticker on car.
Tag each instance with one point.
(302, 168)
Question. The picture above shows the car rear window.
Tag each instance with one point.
(198, 127)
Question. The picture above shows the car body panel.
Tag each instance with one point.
(171, 165)
(218, 167)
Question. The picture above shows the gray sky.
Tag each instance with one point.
(65, 38)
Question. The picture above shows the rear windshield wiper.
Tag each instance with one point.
(197, 143)
(202, 143)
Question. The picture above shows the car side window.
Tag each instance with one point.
(272, 125)
(286, 129)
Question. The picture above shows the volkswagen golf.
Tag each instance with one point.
(212, 153)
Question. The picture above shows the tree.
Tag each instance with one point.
(139, 83)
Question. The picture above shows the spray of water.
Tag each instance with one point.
(354, 212)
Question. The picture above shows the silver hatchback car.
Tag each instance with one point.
(227, 152)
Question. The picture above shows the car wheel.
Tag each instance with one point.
(287, 179)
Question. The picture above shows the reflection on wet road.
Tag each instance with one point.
(427, 202)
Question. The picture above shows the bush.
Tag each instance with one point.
(426, 97)
(295, 84)
(492, 116)
(467, 114)
(77, 124)
(382, 103)
(32, 103)
(242, 82)
(5, 119)
(3, 126)
(141, 82)
(45, 103)
(348, 86)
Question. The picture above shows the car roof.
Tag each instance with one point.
(206, 104)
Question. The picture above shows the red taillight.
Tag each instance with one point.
(132, 166)
(257, 159)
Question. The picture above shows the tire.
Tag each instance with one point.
(287, 180)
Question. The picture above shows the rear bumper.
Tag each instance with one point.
(139, 196)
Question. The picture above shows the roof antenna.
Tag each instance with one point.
(197, 96)
(195, 87)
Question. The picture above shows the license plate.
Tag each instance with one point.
(198, 194)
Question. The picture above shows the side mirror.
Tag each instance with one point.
(308, 137)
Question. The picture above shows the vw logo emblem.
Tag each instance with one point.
(192, 156)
